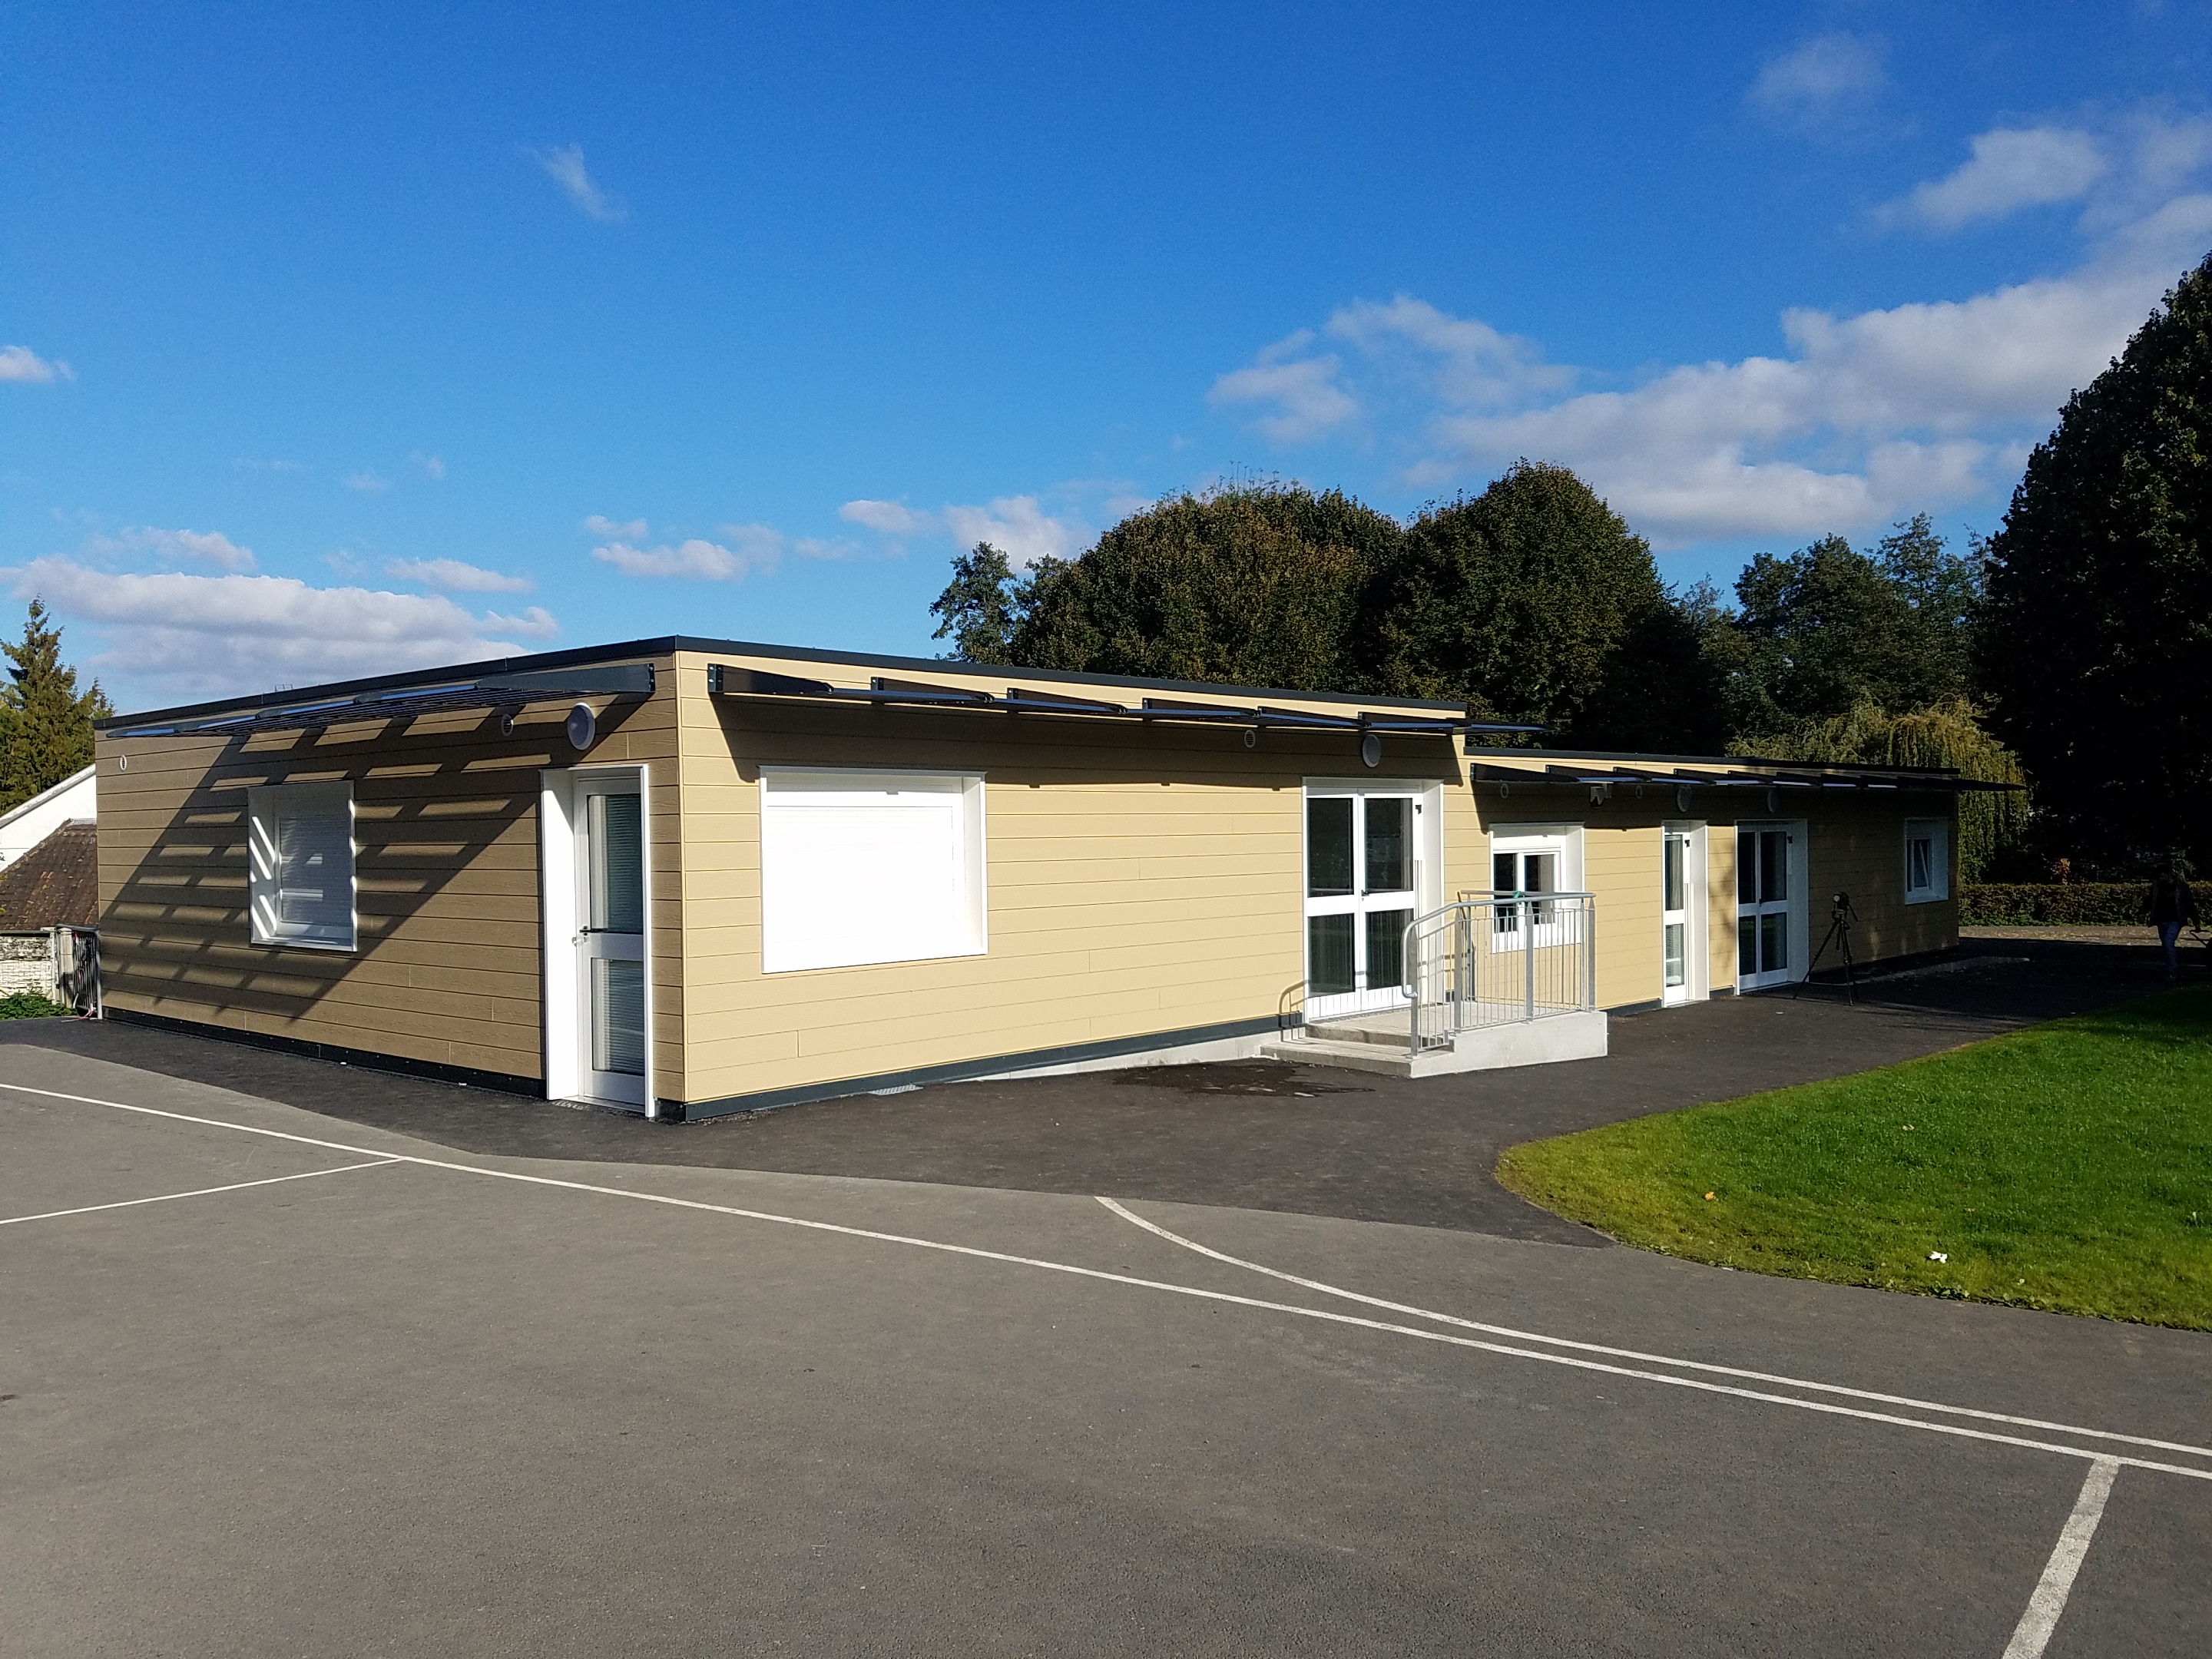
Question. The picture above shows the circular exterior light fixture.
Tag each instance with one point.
(582, 727)
(1682, 798)
(1370, 750)
(1773, 800)
(1251, 737)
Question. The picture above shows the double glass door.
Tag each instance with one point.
(611, 947)
(1766, 902)
(1360, 887)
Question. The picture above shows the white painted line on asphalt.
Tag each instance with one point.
(1130, 1215)
(2041, 1618)
(197, 1192)
(1101, 1274)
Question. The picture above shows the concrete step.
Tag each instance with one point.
(1489, 1048)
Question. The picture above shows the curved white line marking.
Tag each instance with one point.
(1654, 1358)
(1099, 1273)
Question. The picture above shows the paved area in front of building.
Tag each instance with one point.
(271, 1383)
(1255, 1136)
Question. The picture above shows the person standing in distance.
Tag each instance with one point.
(2171, 903)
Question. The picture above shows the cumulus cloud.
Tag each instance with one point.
(433, 468)
(633, 530)
(535, 624)
(366, 483)
(176, 634)
(746, 549)
(1862, 417)
(1308, 402)
(453, 576)
(174, 545)
(1827, 81)
(2008, 169)
(22, 364)
(1018, 525)
(564, 166)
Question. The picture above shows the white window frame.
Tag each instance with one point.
(801, 954)
(263, 899)
(1565, 841)
(1937, 834)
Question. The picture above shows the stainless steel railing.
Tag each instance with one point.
(1499, 959)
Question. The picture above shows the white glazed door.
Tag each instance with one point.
(1361, 880)
(1766, 875)
(610, 945)
(1674, 916)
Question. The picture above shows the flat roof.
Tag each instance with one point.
(668, 644)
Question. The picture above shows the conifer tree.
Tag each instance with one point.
(45, 722)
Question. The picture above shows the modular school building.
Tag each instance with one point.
(693, 876)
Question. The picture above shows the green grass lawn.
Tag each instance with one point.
(2066, 1167)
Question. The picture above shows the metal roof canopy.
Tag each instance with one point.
(1840, 776)
(489, 691)
(731, 681)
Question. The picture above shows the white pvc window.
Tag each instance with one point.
(1530, 862)
(862, 867)
(1927, 859)
(300, 884)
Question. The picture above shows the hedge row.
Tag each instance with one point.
(2076, 903)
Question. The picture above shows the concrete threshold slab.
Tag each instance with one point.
(1370, 1044)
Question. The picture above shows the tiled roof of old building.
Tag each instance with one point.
(56, 882)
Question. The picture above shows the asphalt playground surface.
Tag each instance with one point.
(365, 1366)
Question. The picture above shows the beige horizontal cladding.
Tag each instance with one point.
(447, 969)
(1142, 878)
(1855, 845)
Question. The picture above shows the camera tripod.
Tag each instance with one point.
(1841, 915)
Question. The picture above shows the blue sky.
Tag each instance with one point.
(335, 341)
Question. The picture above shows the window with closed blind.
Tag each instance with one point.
(860, 867)
(301, 886)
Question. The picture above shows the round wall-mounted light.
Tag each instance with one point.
(506, 722)
(1370, 750)
(1773, 800)
(582, 726)
(1251, 737)
(1682, 798)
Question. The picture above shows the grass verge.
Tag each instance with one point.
(2068, 1167)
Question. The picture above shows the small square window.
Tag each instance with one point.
(300, 884)
(1927, 859)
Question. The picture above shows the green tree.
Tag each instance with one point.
(1992, 823)
(979, 607)
(1534, 601)
(1247, 584)
(2096, 649)
(45, 723)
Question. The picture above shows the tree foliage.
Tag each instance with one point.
(978, 608)
(2097, 644)
(1992, 824)
(45, 723)
(1251, 584)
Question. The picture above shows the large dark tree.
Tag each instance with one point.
(1534, 601)
(1830, 627)
(2096, 649)
(978, 607)
(45, 722)
(1256, 585)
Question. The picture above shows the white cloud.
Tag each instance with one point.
(2010, 168)
(887, 518)
(174, 545)
(453, 576)
(1018, 525)
(253, 463)
(1309, 402)
(757, 548)
(565, 167)
(535, 624)
(1863, 417)
(178, 635)
(366, 483)
(635, 530)
(433, 467)
(1829, 81)
(23, 364)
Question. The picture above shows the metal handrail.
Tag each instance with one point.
(1458, 972)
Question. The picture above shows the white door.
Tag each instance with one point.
(610, 945)
(1361, 880)
(1768, 871)
(1675, 903)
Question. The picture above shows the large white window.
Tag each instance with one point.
(301, 885)
(1927, 859)
(860, 867)
(1529, 861)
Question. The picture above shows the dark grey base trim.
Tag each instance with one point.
(967, 1071)
(468, 1076)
